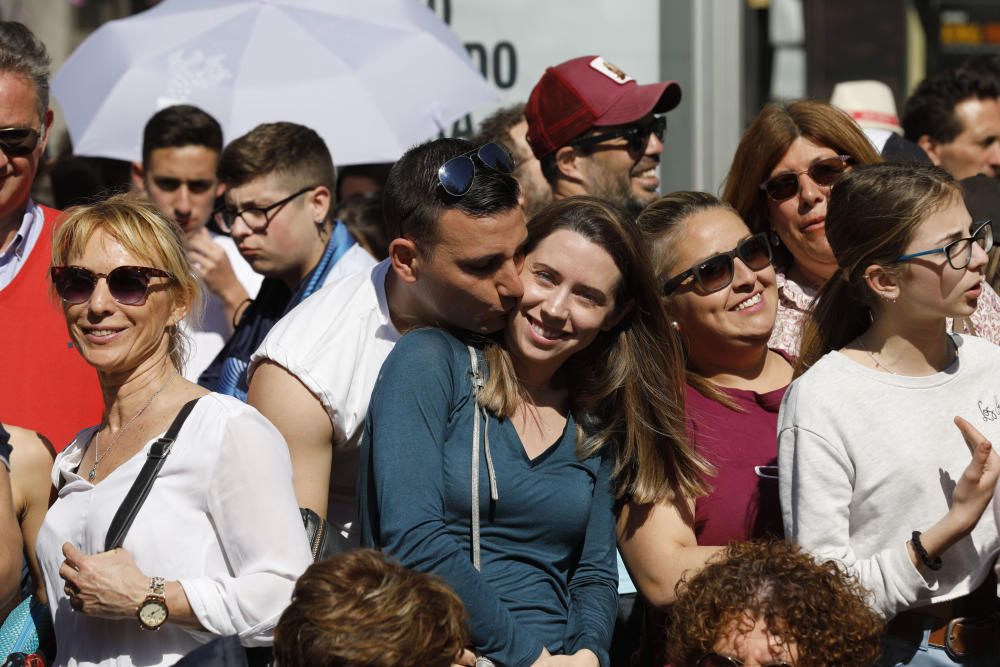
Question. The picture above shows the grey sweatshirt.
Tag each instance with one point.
(867, 457)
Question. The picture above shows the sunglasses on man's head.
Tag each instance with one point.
(637, 135)
(824, 172)
(458, 174)
(129, 285)
(716, 272)
(18, 141)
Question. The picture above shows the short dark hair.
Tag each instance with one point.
(496, 127)
(359, 609)
(288, 149)
(931, 108)
(414, 199)
(180, 125)
(376, 171)
(24, 55)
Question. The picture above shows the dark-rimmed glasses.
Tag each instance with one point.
(637, 135)
(716, 272)
(129, 285)
(18, 141)
(823, 172)
(458, 174)
(959, 252)
(717, 660)
(257, 219)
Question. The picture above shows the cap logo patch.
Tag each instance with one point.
(610, 71)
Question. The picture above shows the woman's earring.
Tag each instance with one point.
(775, 241)
(675, 325)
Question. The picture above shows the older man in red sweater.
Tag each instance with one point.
(46, 385)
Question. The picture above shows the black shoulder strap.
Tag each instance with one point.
(136, 496)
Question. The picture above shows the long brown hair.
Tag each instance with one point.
(628, 385)
(767, 140)
(661, 224)
(872, 216)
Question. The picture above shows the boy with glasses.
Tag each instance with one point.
(451, 209)
(279, 182)
(596, 131)
(48, 388)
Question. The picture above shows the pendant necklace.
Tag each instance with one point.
(97, 436)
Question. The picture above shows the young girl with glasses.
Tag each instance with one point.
(720, 295)
(884, 442)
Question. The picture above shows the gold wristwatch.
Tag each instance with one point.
(152, 612)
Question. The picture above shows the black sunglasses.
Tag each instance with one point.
(717, 271)
(637, 135)
(129, 285)
(824, 172)
(18, 141)
(716, 660)
(458, 174)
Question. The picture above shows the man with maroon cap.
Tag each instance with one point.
(596, 131)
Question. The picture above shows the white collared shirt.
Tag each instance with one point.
(13, 257)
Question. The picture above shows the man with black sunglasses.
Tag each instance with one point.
(598, 132)
(452, 211)
(48, 387)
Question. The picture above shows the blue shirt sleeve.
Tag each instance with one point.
(594, 584)
(403, 508)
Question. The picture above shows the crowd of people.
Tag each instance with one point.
(506, 401)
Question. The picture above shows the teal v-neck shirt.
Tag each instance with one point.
(549, 574)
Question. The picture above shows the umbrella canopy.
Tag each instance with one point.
(373, 77)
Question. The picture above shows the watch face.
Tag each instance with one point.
(152, 613)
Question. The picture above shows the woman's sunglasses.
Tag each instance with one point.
(129, 285)
(716, 660)
(824, 172)
(717, 271)
(458, 174)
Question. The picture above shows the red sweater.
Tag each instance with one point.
(45, 385)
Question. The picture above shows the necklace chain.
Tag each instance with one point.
(97, 436)
(951, 345)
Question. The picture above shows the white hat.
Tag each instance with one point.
(869, 103)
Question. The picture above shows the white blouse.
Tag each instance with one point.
(221, 519)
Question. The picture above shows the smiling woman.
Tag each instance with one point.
(207, 553)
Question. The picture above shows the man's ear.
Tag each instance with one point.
(319, 201)
(138, 176)
(46, 128)
(881, 282)
(930, 147)
(567, 160)
(405, 259)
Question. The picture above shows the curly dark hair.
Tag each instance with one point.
(817, 606)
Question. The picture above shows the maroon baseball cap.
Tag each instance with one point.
(589, 92)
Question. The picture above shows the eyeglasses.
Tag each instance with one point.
(824, 172)
(458, 174)
(257, 219)
(18, 141)
(959, 253)
(129, 285)
(637, 135)
(717, 271)
(716, 660)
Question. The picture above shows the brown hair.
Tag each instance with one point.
(661, 224)
(294, 152)
(872, 215)
(817, 606)
(629, 383)
(140, 227)
(359, 609)
(767, 140)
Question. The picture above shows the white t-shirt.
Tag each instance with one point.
(207, 337)
(334, 342)
(221, 518)
(866, 458)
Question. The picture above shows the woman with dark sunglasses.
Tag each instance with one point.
(873, 472)
(720, 294)
(208, 553)
(533, 424)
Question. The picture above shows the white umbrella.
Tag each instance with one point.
(373, 77)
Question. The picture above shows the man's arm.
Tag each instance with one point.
(306, 427)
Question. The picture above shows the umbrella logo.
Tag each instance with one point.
(191, 71)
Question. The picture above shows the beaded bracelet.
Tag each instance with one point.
(932, 563)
